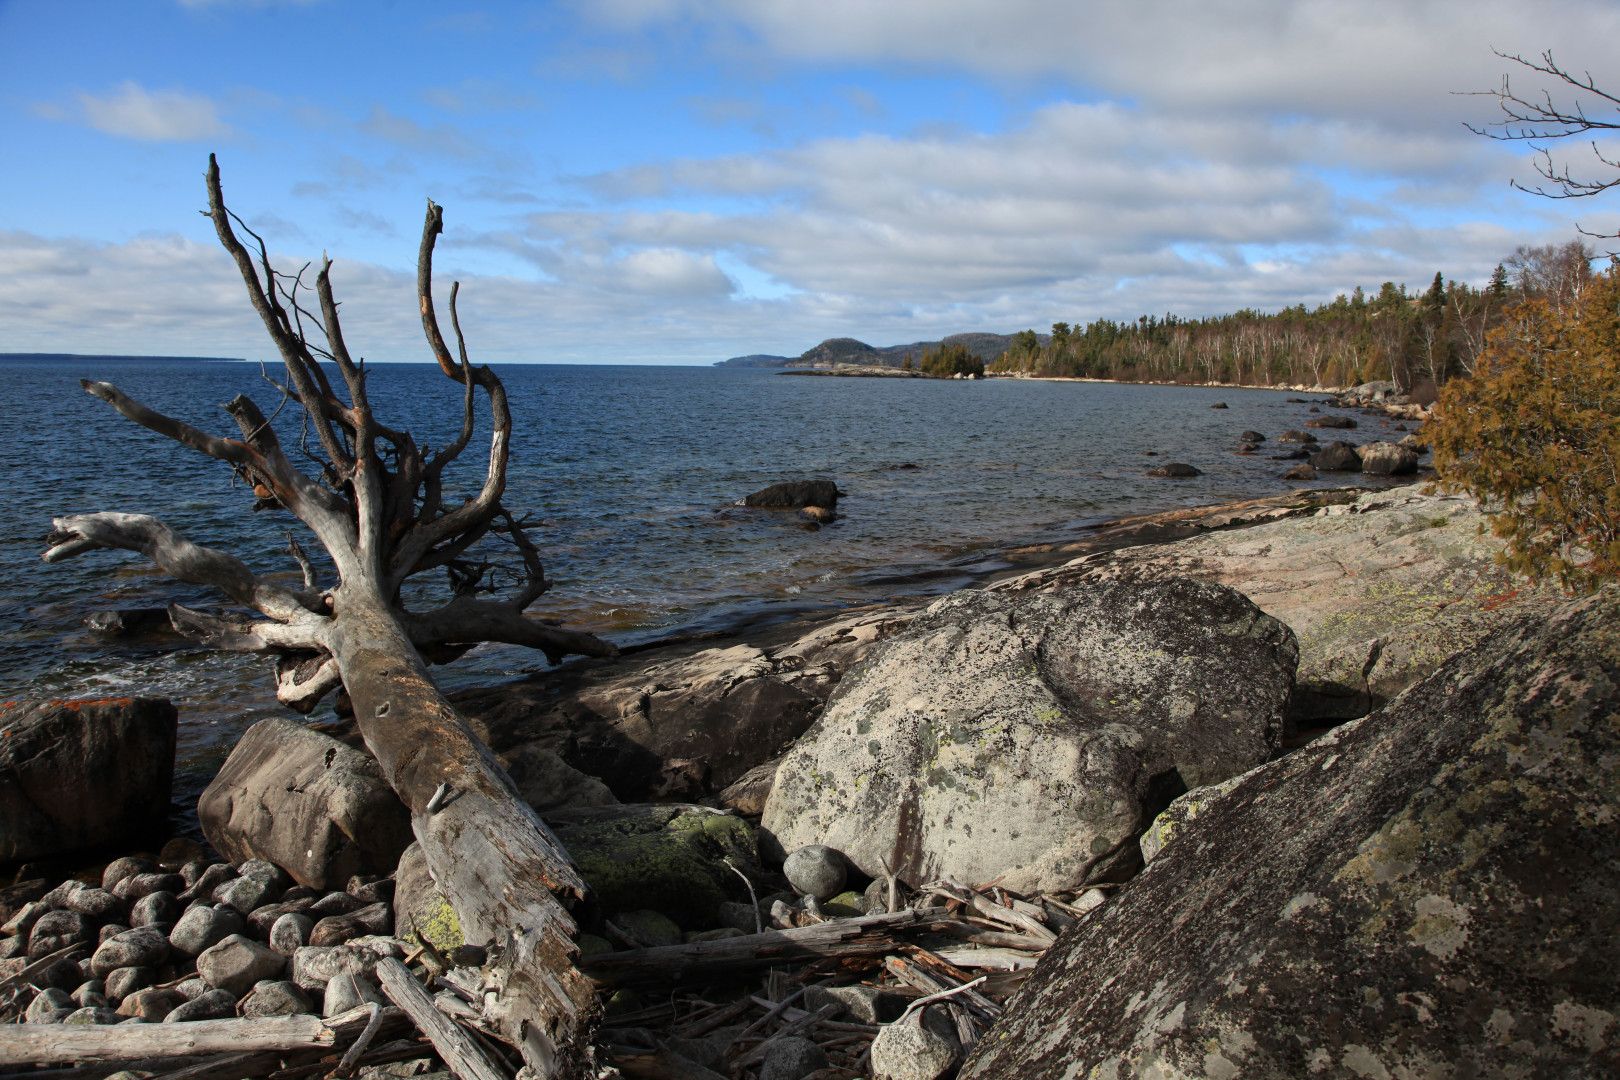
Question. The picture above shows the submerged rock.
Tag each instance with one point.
(794, 495)
(1176, 469)
(1436, 878)
(1031, 740)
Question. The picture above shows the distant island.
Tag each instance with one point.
(63, 358)
(835, 352)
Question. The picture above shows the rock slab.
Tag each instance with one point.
(1032, 739)
(1436, 896)
(81, 774)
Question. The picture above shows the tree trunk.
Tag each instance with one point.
(480, 840)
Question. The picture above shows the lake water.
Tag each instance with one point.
(632, 470)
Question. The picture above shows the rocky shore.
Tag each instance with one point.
(1304, 785)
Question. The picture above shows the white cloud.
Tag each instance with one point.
(134, 112)
(1392, 59)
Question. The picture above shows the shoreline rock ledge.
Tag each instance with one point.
(1426, 892)
(1032, 739)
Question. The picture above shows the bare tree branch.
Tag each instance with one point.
(181, 559)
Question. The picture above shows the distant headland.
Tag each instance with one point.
(843, 351)
(62, 358)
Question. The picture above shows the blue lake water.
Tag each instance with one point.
(632, 470)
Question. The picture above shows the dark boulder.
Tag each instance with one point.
(307, 803)
(1331, 422)
(1176, 469)
(1219, 405)
(1251, 436)
(1296, 436)
(1337, 457)
(1425, 892)
(794, 495)
(81, 774)
(1302, 471)
(131, 622)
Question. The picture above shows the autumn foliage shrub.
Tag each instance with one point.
(1535, 435)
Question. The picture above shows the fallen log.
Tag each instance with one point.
(29, 1044)
(699, 961)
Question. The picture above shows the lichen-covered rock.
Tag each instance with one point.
(1031, 739)
(666, 857)
(306, 803)
(547, 782)
(80, 774)
(1426, 892)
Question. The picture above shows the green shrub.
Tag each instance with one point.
(1535, 435)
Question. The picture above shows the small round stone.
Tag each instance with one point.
(816, 870)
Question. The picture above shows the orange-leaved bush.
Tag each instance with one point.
(1535, 435)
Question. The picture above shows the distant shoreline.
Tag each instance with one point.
(62, 358)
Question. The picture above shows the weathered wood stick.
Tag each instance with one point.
(26, 1044)
(803, 1024)
(663, 1065)
(996, 938)
(460, 1052)
(991, 910)
(869, 935)
(240, 1066)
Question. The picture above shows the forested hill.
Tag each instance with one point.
(835, 351)
(1417, 338)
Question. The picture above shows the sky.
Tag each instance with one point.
(681, 181)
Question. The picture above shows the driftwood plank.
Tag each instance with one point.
(458, 1049)
(26, 1044)
(869, 935)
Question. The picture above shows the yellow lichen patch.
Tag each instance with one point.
(438, 924)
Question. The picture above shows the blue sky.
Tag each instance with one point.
(678, 181)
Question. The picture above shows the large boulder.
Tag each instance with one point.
(81, 774)
(305, 802)
(793, 495)
(1031, 739)
(1381, 589)
(679, 722)
(1427, 892)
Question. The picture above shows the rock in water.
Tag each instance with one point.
(1337, 457)
(1331, 422)
(1388, 459)
(1033, 738)
(1176, 469)
(1438, 878)
(794, 495)
(1303, 471)
(78, 774)
(307, 803)
(1251, 436)
(815, 870)
(1296, 436)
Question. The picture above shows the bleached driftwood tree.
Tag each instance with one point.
(376, 507)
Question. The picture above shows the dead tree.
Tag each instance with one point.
(1541, 120)
(376, 507)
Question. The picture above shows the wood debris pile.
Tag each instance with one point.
(822, 992)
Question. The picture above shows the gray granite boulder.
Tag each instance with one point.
(80, 774)
(305, 802)
(236, 963)
(1387, 459)
(1032, 739)
(1426, 892)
